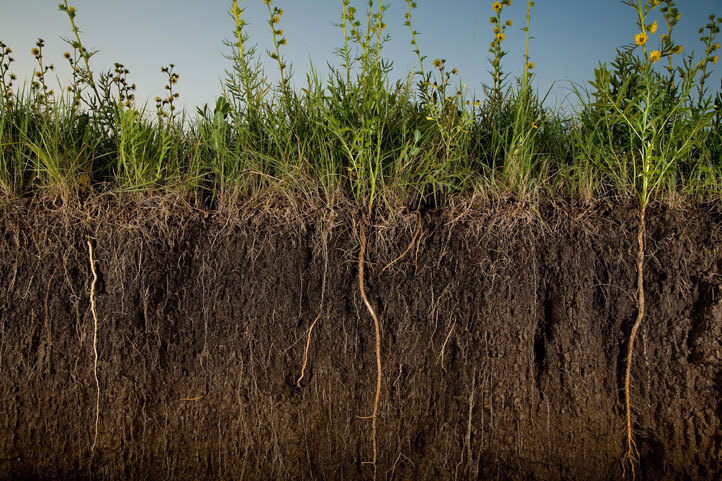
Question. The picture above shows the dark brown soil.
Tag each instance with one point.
(202, 323)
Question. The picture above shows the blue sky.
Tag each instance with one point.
(571, 37)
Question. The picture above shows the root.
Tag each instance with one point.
(95, 345)
(305, 353)
(443, 346)
(411, 244)
(320, 310)
(631, 454)
(375, 411)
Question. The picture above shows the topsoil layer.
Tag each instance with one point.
(503, 338)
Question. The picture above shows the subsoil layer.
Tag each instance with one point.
(503, 341)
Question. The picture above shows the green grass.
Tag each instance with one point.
(642, 127)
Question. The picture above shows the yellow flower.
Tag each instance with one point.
(664, 38)
(66, 55)
(640, 38)
(492, 19)
(678, 50)
(496, 6)
(655, 56)
(267, 2)
(653, 27)
(454, 71)
(35, 51)
(437, 63)
(282, 42)
(508, 23)
(715, 59)
(477, 103)
(531, 64)
(275, 19)
(715, 46)
(500, 37)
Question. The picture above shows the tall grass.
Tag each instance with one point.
(643, 125)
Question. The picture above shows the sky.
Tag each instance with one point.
(570, 38)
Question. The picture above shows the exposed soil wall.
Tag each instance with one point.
(503, 334)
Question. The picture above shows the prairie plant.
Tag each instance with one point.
(412, 5)
(125, 91)
(495, 48)
(84, 76)
(41, 93)
(162, 102)
(279, 40)
(244, 84)
(663, 127)
(7, 78)
(708, 35)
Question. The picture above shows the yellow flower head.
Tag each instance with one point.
(715, 59)
(35, 51)
(66, 55)
(664, 38)
(282, 42)
(531, 64)
(500, 37)
(508, 23)
(437, 63)
(492, 19)
(496, 7)
(640, 38)
(275, 19)
(715, 46)
(678, 50)
(477, 103)
(653, 27)
(655, 56)
(267, 2)
(454, 71)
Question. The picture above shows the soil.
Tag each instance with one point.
(503, 336)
